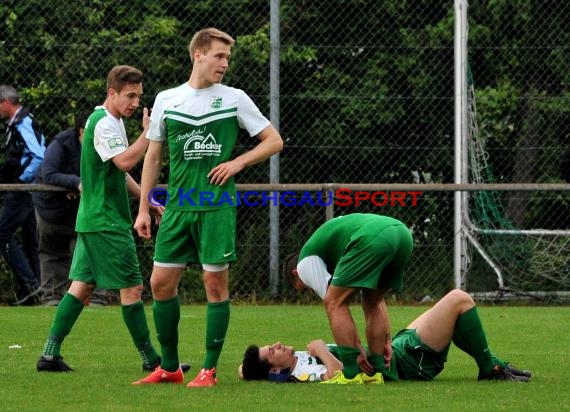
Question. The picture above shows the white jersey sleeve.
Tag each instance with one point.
(313, 273)
(110, 137)
(156, 128)
(249, 116)
(308, 368)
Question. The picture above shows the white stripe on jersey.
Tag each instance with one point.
(308, 368)
(202, 121)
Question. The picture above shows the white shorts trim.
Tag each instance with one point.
(215, 268)
(169, 265)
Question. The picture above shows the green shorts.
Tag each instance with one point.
(107, 259)
(375, 260)
(196, 237)
(414, 359)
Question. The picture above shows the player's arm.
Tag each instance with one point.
(319, 349)
(52, 168)
(341, 322)
(270, 143)
(385, 322)
(135, 190)
(131, 156)
(35, 152)
(150, 172)
(133, 187)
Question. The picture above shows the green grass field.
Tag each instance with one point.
(106, 363)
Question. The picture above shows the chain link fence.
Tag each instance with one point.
(366, 95)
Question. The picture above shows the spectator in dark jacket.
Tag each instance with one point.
(56, 212)
(23, 150)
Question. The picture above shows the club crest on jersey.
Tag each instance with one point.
(216, 102)
(198, 147)
(115, 142)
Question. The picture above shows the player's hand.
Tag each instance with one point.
(74, 195)
(387, 352)
(362, 361)
(146, 118)
(142, 225)
(220, 174)
(315, 347)
(156, 211)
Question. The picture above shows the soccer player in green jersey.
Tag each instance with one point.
(105, 254)
(357, 252)
(420, 351)
(200, 120)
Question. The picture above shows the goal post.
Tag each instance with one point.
(526, 262)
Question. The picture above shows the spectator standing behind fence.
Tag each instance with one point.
(24, 148)
(200, 120)
(56, 212)
(105, 254)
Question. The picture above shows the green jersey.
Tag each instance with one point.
(201, 127)
(104, 204)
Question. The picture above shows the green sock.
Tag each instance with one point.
(217, 321)
(469, 336)
(348, 357)
(166, 317)
(377, 361)
(66, 315)
(135, 319)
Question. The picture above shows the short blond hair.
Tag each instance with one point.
(202, 40)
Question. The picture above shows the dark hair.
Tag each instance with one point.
(253, 368)
(290, 265)
(120, 76)
(80, 120)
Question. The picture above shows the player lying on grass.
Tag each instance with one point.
(419, 352)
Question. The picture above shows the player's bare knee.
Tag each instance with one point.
(163, 289)
(216, 291)
(81, 290)
(131, 295)
(333, 303)
(155, 284)
(461, 299)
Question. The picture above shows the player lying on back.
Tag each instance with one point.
(419, 352)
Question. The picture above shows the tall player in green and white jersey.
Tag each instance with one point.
(200, 120)
(105, 254)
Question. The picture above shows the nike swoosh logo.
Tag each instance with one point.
(218, 340)
(227, 254)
